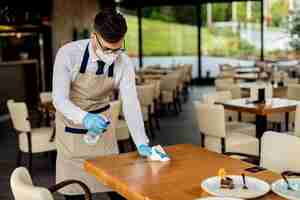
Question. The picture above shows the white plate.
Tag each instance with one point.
(256, 187)
(217, 198)
(279, 187)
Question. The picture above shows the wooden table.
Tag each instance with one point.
(137, 179)
(274, 105)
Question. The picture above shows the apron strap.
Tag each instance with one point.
(85, 60)
(111, 70)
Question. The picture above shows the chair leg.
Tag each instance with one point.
(121, 146)
(175, 108)
(19, 158)
(147, 128)
(179, 104)
(52, 158)
(151, 128)
(157, 122)
(169, 107)
(30, 162)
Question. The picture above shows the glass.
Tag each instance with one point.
(107, 50)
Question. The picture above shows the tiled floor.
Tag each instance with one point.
(174, 130)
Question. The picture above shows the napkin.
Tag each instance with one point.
(159, 154)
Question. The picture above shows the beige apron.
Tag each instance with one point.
(90, 92)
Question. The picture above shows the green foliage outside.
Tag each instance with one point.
(170, 39)
(295, 32)
(171, 31)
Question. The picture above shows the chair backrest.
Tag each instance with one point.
(291, 81)
(224, 84)
(211, 119)
(46, 97)
(236, 92)
(280, 76)
(157, 86)
(146, 94)
(168, 83)
(115, 111)
(19, 115)
(280, 152)
(293, 91)
(23, 188)
(220, 96)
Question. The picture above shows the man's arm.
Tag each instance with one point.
(131, 106)
(62, 79)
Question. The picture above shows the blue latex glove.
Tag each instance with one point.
(95, 123)
(144, 150)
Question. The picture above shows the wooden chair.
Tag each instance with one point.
(215, 137)
(23, 187)
(30, 140)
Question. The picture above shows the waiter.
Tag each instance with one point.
(85, 74)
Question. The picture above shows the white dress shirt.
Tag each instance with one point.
(67, 66)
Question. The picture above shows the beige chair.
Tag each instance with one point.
(155, 108)
(231, 117)
(215, 137)
(23, 189)
(280, 152)
(293, 93)
(30, 140)
(146, 94)
(222, 84)
(291, 81)
(168, 86)
(228, 73)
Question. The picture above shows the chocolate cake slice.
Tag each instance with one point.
(227, 183)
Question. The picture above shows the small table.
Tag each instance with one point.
(274, 105)
(180, 179)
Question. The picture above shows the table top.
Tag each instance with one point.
(180, 179)
(259, 84)
(271, 106)
(247, 70)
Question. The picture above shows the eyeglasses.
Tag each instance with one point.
(107, 50)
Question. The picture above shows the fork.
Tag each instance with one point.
(244, 182)
(288, 183)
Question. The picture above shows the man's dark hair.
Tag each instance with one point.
(110, 24)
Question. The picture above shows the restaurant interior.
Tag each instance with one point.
(219, 99)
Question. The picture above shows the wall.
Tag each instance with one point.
(68, 14)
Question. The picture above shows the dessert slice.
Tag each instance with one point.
(225, 182)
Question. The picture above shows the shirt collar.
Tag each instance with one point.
(94, 57)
